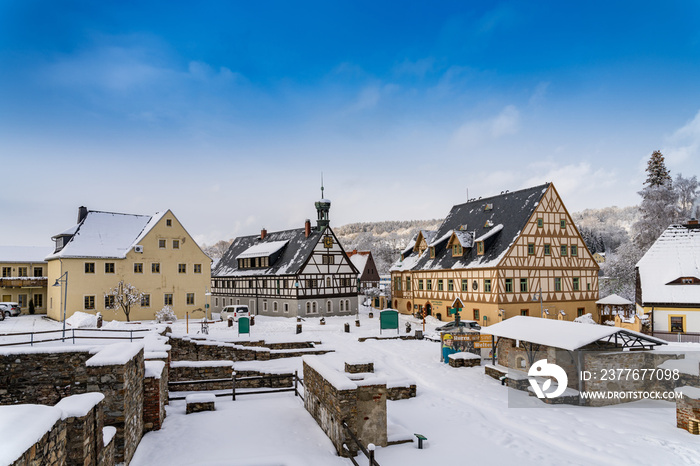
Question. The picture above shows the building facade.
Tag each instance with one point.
(155, 254)
(364, 262)
(513, 254)
(668, 280)
(301, 272)
(23, 278)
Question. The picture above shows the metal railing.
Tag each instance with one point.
(674, 337)
(367, 452)
(234, 391)
(71, 335)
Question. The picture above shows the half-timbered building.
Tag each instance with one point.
(364, 262)
(518, 253)
(301, 272)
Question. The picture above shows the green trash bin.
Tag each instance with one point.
(244, 325)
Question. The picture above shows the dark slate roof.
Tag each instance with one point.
(511, 210)
(294, 254)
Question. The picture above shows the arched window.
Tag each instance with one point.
(328, 282)
(308, 308)
(286, 307)
(313, 308)
(347, 305)
(329, 307)
(341, 305)
(274, 306)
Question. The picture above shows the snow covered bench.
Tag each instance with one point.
(198, 402)
(464, 359)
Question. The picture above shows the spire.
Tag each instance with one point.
(322, 208)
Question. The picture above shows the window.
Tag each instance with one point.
(7, 271)
(168, 299)
(509, 285)
(563, 250)
(420, 284)
(531, 249)
(22, 300)
(580, 311)
(487, 285)
(138, 267)
(408, 283)
(328, 259)
(677, 324)
(465, 285)
(197, 268)
(562, 224)
(557, 284)
(432, 252)
(21, 271)
(547, 250)
(146, 300)
(181, 268)
(161, 243)
(524, 312)
(523, 285)
(38, 300)
(38, 271)
(430, 284)
(109, 302)
(89, 303)
(440, 284)
(168, 222)
(329, 306)
(576, 284)
(155, 267)
(574, 250)
(190, 300)
(341, 305)
(176, 244)
(540, 223)
(480, 248)
(274, 306)
(397, 283)
(109, 267)
(457, 250)
(89, 267)
(285, 307)
(450, 285)
(476, 315)
(347, 305)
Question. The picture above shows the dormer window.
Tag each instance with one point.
(432, 252)
(480, 248)
(457, 250)
(488, 224)
(488, 207)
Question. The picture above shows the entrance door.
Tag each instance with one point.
(428, 310)
(251, 307)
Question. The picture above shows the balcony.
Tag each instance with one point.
(23, 282)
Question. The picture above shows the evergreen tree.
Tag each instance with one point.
(687, 192)
(657, 173)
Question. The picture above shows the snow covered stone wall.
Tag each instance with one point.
(155, 394)
(332, 398)
(181, 371)
(84, 419)
(196, 349)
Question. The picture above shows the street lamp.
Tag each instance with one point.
(207, 311)
(63, 279)
(538, 296)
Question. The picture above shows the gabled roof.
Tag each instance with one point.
(106, 235)
(567, 335)
(498, 226)
(264, 249)
(359, 260)
(293, 255)
(614, 300)
(24, 254)
(676, 254)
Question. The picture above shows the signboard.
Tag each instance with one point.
(456, 342)
(389, 320)
(244, 325)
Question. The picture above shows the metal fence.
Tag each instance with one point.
(238, 392)
(46, 336)
(678, 337)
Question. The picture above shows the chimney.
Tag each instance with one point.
(82, 213)
(263, 233)
(307, 228)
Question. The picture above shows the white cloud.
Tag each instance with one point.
(683, 144)
(475, 132)
(417, 68)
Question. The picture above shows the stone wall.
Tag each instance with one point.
(181, 371)
(359, 367)
(122, 385)
(687, 409)
(285, 381)
(190, 349)
(50, 450)
(401, 392)
(32, 375)
(83, 427)
(155, 397)
(330, 403)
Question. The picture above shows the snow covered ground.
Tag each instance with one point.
(464, 414)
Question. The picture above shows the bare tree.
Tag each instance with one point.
(687, 192)
(123, 297)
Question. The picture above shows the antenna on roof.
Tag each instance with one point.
(322, 185)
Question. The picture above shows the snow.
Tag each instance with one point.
(586, 319)
(155, 355)
(690, 392)
(116, 354)
(82, 320)
(263, 249)
(108, 434)
(359, 260)
(17, 434)
(79, 405)
(614, 300)
(200, 398)
(153, 369)
(690, 365)
(490, 233)
(25, 254)
(336, 378)
(201, 364)
(555, 333)
(464, 355)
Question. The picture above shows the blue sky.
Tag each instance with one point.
(227, 112)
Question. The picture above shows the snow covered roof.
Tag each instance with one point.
(614, 300)
(107, 234)
(359, 260)
(24, 254)
(561, 333)
(675, 255)
(263, 249)
(509, 212)
(465, 238)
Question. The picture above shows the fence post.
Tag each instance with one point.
(370, 447)
(233, 389)
(74, 336)
(31, 343)
(296, 381)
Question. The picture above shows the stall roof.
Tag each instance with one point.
(614, 300)
(567, 335)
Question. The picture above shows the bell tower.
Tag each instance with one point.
(323, 206)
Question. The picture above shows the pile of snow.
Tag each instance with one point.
(79, 405)
(585, 319)
(82, 320)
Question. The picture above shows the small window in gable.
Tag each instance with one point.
(540, 223)
(168, 222)
(457, 250)
(480, 248)
(562, 223)
(432, 252)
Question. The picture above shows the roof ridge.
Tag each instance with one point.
(482, 199)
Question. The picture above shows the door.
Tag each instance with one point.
(6, 298)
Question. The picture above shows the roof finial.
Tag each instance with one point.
(322, 185)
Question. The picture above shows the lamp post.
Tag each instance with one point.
(63, 279)
(538, 296)
(207, 311)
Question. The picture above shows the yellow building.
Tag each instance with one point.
(155, 254)
(513, 254)
(23, 277)
(668, 281)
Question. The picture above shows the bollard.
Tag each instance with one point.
(408, 327)
(371, 315)
(357, 323)
(230, 321)
(298, 328)
(252, 320)
(347, 327)
(298, 319)
(322, 321)
(99, 320)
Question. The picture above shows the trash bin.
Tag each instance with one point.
(347, 327)
(252, 320)
(230, 321)
(298, 328)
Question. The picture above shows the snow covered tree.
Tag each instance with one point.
(166, 315)
(619, 271)
(687, 190)
(123, 297)
(659, 206)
